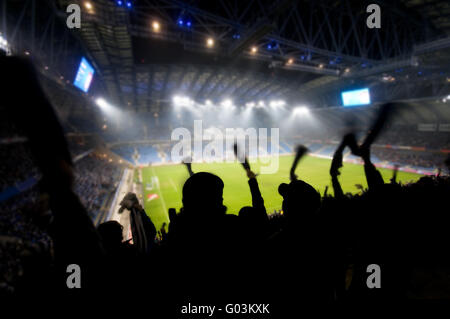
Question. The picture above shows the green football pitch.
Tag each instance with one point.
(162, 185)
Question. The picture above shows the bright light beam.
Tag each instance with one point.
(300, 111)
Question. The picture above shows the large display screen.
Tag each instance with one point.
(84, 75)
(356, 97)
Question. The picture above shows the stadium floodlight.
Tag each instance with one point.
(261, 104)
(3, 41)
(101, 103)
(208, 102)
(156, 26)
(277, 104)
(250, 105)
(227, 103)
(182, 101)
(290, 61)
(254, 49)
(110, 111)
(210, 42)
(300, 110)
(88, 5)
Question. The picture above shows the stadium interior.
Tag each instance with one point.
(318, 85)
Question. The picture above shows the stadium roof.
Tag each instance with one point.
(304, 50)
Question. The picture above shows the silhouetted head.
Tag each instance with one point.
(246, 212)
(299, 199)
(202, 194)
(250, 219)
(111, 234)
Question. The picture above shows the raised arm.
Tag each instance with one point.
(373, 176)
(257, 199)
(142, 228)
(300, 152)
(188, 163)
(336, 164)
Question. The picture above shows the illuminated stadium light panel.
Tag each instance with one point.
(356, 97)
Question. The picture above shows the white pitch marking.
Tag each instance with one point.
(173, 184)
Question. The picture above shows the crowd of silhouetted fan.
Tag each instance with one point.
(315, 248)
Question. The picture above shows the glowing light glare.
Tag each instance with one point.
(261, 104)
(109, 111)
(290, 61)
(247, 111)
(101, 103)
(208, 102)
(277, 104)
(88, 5)
(321, 66)
(300, 110)
(3, 41)
(156, 26)
(227, 103)
(254, 49)
(210, 42)
(182, 101)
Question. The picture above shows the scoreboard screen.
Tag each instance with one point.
(356, 97)
(84, 75)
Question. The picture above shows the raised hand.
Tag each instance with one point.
(251, 174)
(243, 161)
(129, 201)
(188, 162)
(300, 152)
(394, 174)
